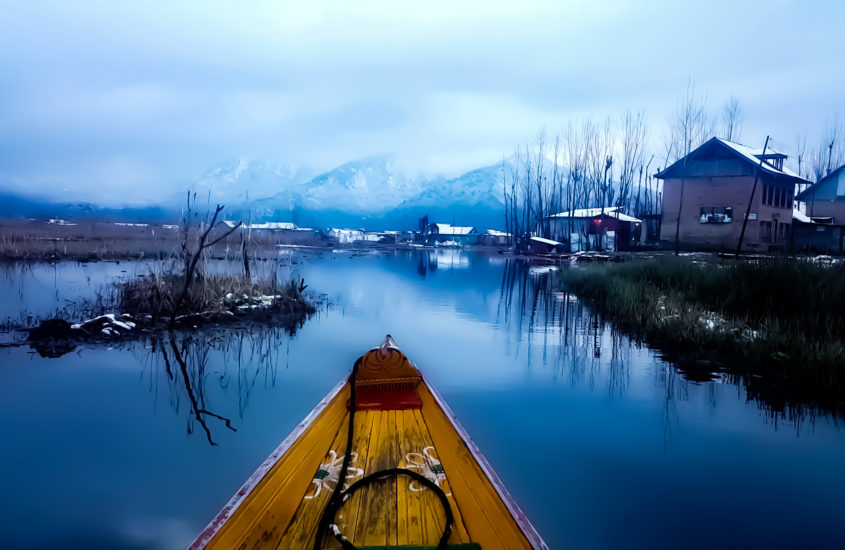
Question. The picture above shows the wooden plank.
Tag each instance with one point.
(408, 526)
(263, 516)
(433, 516)
(378, 500)
(303, 527)
(234, 508)
(488, 519)
(347, 517)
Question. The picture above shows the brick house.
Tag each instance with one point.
(706, 193)
(821, 225)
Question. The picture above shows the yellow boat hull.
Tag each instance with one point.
(280, 506)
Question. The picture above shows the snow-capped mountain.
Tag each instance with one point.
(371, 184)
(240, 180)
(377, 192)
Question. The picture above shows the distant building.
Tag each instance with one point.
(443, 232)
(706, 194)
(821, 226)
(266, 226)
(346, 236)
(539, 245)
(493, 237)
(596, 229)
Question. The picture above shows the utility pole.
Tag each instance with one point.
(681, 202)
(751, 198)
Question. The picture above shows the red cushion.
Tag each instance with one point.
(386, 400)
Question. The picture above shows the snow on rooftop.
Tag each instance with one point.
(586, 212)
(624, 217)
(800, 216)
(446, 229)
(266, 225)
(497, 233)
(545, 241)
(753, 155)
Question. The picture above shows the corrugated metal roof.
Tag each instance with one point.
(266, 225)
(752, 155)
(446, 229)
(800, 216)
(744, 152)
(586, 212)
(545, 241)
(624, 217)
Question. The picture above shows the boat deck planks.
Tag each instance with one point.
(280, 506)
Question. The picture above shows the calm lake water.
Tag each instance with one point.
(601, 442)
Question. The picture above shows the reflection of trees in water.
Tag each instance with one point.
(235, 359)
(587, 350)
(535, 312)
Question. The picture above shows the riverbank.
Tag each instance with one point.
(777, 316)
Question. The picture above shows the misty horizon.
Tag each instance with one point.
(117, 105)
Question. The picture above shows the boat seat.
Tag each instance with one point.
(386, 400)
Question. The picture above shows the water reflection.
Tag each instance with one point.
(574, 415)
(235, 359)
(588, 350)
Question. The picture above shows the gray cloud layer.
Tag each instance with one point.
(121, 102)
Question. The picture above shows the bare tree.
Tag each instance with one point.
(829, 152)
(191, 254)
(689, 125)
(731, 120)
(633, 132)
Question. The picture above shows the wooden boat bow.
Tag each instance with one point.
(384, 418)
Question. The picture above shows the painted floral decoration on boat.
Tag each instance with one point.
(428, 465)
(328, 472)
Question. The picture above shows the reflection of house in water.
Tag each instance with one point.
(596, 228)
(443, 232)
(451, 259)
(821, 227)
(706, 194)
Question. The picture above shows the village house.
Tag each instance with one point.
(821, 225)
(596, 229)
(275, 232)
(345, 236)
(706, 195)
(539, 245)
(443, 232)
(493, 237)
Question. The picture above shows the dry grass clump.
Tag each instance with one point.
(157, 295)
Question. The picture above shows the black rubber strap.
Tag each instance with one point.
(339, 496)
(390, 472)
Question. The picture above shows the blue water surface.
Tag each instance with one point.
(600, 441)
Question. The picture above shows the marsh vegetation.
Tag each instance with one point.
(781, 316)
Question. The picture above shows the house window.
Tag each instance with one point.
(783, 231)
(765, 231)
(717, 214)
(777, 197)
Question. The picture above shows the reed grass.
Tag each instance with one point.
(778, 315)
(209, 294)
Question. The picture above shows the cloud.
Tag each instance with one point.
(107, 95)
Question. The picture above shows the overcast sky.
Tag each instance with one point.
(118, 102)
